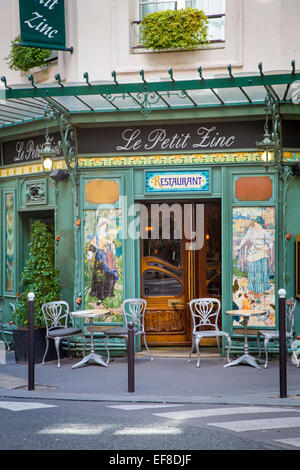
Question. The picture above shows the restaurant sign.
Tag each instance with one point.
(177, 181)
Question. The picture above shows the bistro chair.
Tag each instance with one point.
(205, 314)
(269, 335)
(133, 311)
(57, 320)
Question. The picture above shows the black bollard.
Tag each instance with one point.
(282, 343)
(130, 354)
(31, 341)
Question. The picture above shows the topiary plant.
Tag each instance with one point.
(39, 276)
(174, 29)
(24, 58)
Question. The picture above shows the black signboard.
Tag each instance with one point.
(25, 150)
(154, 139)
(194, 137)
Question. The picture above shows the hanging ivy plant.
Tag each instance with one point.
(174, 29)
(24, 58)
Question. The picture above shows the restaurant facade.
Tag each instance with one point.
(192, 192)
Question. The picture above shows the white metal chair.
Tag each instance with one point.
(57, 320)
(133, 311)
(268, 335)
(205, 313)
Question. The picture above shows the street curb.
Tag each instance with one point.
(266, 399)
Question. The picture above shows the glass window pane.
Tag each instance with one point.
(150, 7)
(158, 283)
(161, 235)
(210, 7)
(166, 250)
(216, 29)
(216, 26)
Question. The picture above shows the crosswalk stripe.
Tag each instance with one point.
(187, 414)
(258, 424)
(140, 407)
(292, 441)
(21, 406)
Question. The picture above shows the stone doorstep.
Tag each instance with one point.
(178, 352)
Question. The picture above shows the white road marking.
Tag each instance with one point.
(258, 424)
(147, 431)
(21, 406)
(292, 441)
(140, 407)
(189, 414)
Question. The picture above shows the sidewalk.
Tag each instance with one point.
(165, 379)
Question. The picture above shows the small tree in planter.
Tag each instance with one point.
(39, 276)
(174, 29)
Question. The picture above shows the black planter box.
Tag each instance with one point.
(21, 346)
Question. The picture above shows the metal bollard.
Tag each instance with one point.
(31, 297)
(130, 354)
(282, 343)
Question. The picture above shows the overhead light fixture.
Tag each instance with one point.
(267, 148)
(267, 145)
(47, 154)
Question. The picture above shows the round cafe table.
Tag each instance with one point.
(93, 357)
(246, 358)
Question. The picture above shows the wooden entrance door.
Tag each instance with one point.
(172, 274)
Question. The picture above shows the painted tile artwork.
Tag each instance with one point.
(253, 264)
(103, 272)
(9, 243)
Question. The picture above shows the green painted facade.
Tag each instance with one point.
(57, 201)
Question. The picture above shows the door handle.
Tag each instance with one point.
(175, 303)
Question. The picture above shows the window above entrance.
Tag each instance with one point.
(213, 9)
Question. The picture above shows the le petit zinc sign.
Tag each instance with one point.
(177, 181)
(27, 150)
(172, 138)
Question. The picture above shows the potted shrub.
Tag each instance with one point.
(41, 277)
(25, 58)
(174, 29)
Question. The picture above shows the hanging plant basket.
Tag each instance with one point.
(174, 29)
(25, 58)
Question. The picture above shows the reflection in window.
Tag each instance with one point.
(166, 250)
(161, 238)
(214, 286)
(158, 283)
(213, 254)
(158, 264)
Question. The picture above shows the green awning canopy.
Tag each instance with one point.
(26, 103)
